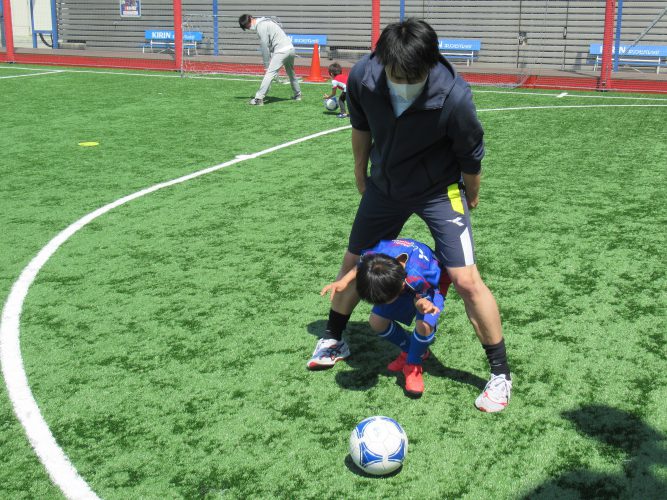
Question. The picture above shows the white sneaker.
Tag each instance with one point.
(327, 352)
(496, 395)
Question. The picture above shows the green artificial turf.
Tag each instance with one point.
(166, 341)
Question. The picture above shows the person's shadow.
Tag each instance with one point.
(370, 355)
(267, 100)
(638, 446)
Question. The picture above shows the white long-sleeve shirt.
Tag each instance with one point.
(272, 38)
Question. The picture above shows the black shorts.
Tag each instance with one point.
(446, 215)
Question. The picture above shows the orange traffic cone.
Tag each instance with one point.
(315, 72)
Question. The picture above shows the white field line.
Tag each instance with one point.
(237, 78)
(26, 68)
(577, 106)
(33, 74)
(572, 96)
(57, 464)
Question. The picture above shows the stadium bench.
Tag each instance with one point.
(460, 49)
(164, 40)
(639, 55)
(306, 43)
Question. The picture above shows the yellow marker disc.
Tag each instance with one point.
(89, 144)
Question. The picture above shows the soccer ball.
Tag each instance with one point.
(331, 104)
(378, 445)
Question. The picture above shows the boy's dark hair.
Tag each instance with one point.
(410, 46)
(335, 69)
(380, 278)
(244, 19)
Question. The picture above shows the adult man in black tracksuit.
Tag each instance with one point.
(413, 118)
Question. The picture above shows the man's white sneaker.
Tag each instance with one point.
(496, 395)
(327, 352)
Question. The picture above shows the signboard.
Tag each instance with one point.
(130, 8)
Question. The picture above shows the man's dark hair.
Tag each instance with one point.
(335, 69)
(380, 278)
(244, 21)
(410, 46)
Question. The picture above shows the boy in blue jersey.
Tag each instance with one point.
(402, 279)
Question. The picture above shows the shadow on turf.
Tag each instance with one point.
(267, 100)
(349, 463)
(637, 446)
(370, 356)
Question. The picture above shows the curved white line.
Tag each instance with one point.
(58, 466)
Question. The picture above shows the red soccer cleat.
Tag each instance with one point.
(414, 382)
(398, 364)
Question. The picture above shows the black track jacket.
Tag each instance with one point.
(427, 147)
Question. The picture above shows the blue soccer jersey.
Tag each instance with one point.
(422, 268)
(423, 277)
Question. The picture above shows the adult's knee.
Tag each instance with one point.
(349, 261)
(468, 282)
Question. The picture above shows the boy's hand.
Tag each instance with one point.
(425, 306)
(336, 286)
(327, 96)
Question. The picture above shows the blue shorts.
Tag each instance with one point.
(446, 215)
(403, 310)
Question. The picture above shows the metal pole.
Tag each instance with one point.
(54, 24)
(9, 31)
(32, 24)
(215, 27)
(617, 44)
(178, 35)
(375, 22)
(607, 45)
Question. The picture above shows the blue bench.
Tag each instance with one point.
(306, 43)
(467, 50)
(639, 55)
(164, 40)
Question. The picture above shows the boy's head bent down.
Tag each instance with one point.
(380, 278)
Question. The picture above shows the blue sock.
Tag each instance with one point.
(397, 336)
(418, 346)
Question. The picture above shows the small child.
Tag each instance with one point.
(338, 81)
(403, 281)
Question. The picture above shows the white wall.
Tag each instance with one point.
(21, 20)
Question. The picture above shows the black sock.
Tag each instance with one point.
(497, 357)
(336, 324)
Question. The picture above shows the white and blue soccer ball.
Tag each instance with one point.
(378, 445)
(331, 104)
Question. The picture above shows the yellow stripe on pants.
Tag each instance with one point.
(454, 195)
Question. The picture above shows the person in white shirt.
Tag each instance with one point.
(277, 51)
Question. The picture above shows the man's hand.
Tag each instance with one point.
(472, 202)
(335, 287)
(472, 183)
(425, 306)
